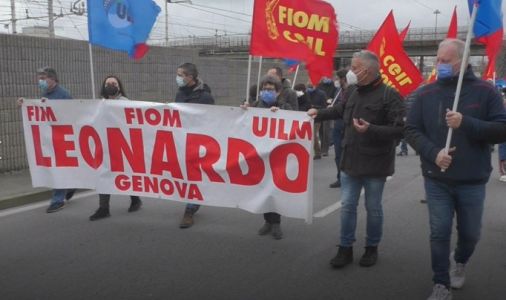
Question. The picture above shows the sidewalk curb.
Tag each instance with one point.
(23, 199)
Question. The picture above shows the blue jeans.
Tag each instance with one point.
(443, 200)
(404, 146)
(192, 208)
(350, 193)
(502, 151)
(58, 196)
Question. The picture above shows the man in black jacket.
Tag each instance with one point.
(373, 122)
(191, 90)
(455, 180)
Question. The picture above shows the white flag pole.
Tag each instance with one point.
(92, 72)
(259, 73)
(463, 67)
(248, 81)
(295, 76)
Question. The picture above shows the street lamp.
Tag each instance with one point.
(167, 18)
(436, 12)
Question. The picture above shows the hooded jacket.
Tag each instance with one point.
(483, 123)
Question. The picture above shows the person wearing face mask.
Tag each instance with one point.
(373, 118)
(287, 94)
(112, 88)
(327, 86)
(454, 181)
(270, 97)
(317, 99)
(191, 90)
(302, 97)
(51, 89)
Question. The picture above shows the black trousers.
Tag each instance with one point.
(104, 200)
(272, 218)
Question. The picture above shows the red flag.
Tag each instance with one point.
(404, 32)
(452, 34)
(301, 30)
(396, 68)
(452, 29)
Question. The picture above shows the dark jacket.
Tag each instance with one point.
(317, 98)
(199, 93)
(483, 123)
(303, 102)
(288, 95)
(372, 153)
(329, 89)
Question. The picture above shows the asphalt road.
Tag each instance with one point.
(144, 255)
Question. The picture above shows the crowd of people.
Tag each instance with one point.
(365, 120)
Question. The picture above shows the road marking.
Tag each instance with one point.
(331, 208)
(28, 207)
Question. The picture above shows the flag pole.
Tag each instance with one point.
(92, 71)
(295, 76)
(463, 67)
(248, 81)
(259, 73)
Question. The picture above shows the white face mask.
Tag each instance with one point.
(351, 78)
(299, 93)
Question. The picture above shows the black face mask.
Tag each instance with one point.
(111, 90)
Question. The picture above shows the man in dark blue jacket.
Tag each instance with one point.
(454, 181)
(191, 90)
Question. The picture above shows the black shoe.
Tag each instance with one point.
(135, 205)
(276, 232)
(370, 256)
(70, 194)
(343, 257)
(335, 185)
(100, 214)
(317, 157)
(55, 207)
(325, 154)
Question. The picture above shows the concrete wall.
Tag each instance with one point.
(151, 79)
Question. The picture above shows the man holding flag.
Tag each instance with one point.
(455, 180)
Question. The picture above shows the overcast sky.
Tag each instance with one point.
(206, 18)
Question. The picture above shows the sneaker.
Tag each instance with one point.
(370, 256)
(335, 185)
(276, 232)
(101, 213)
(265, 229)
(457, 276)
(187, 220)
(440, 292)
(343, 257)
(55, 207)
(502, 178)
(70, 194)
(135, 205)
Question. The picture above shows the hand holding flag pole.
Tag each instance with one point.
(463, 67)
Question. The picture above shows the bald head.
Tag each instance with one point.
(451, 52)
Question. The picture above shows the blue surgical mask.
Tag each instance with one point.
(42, 84)
(269, 97)
(310, 89)
(180, 81)
(444, 71)
(327, 81)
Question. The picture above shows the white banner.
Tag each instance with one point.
(254, 159)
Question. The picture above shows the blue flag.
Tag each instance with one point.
(122, 25)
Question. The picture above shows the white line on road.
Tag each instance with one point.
(17, 210)
(330, 209)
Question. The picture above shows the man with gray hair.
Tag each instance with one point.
(373, 123)
(52, 90)
(454, 180)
